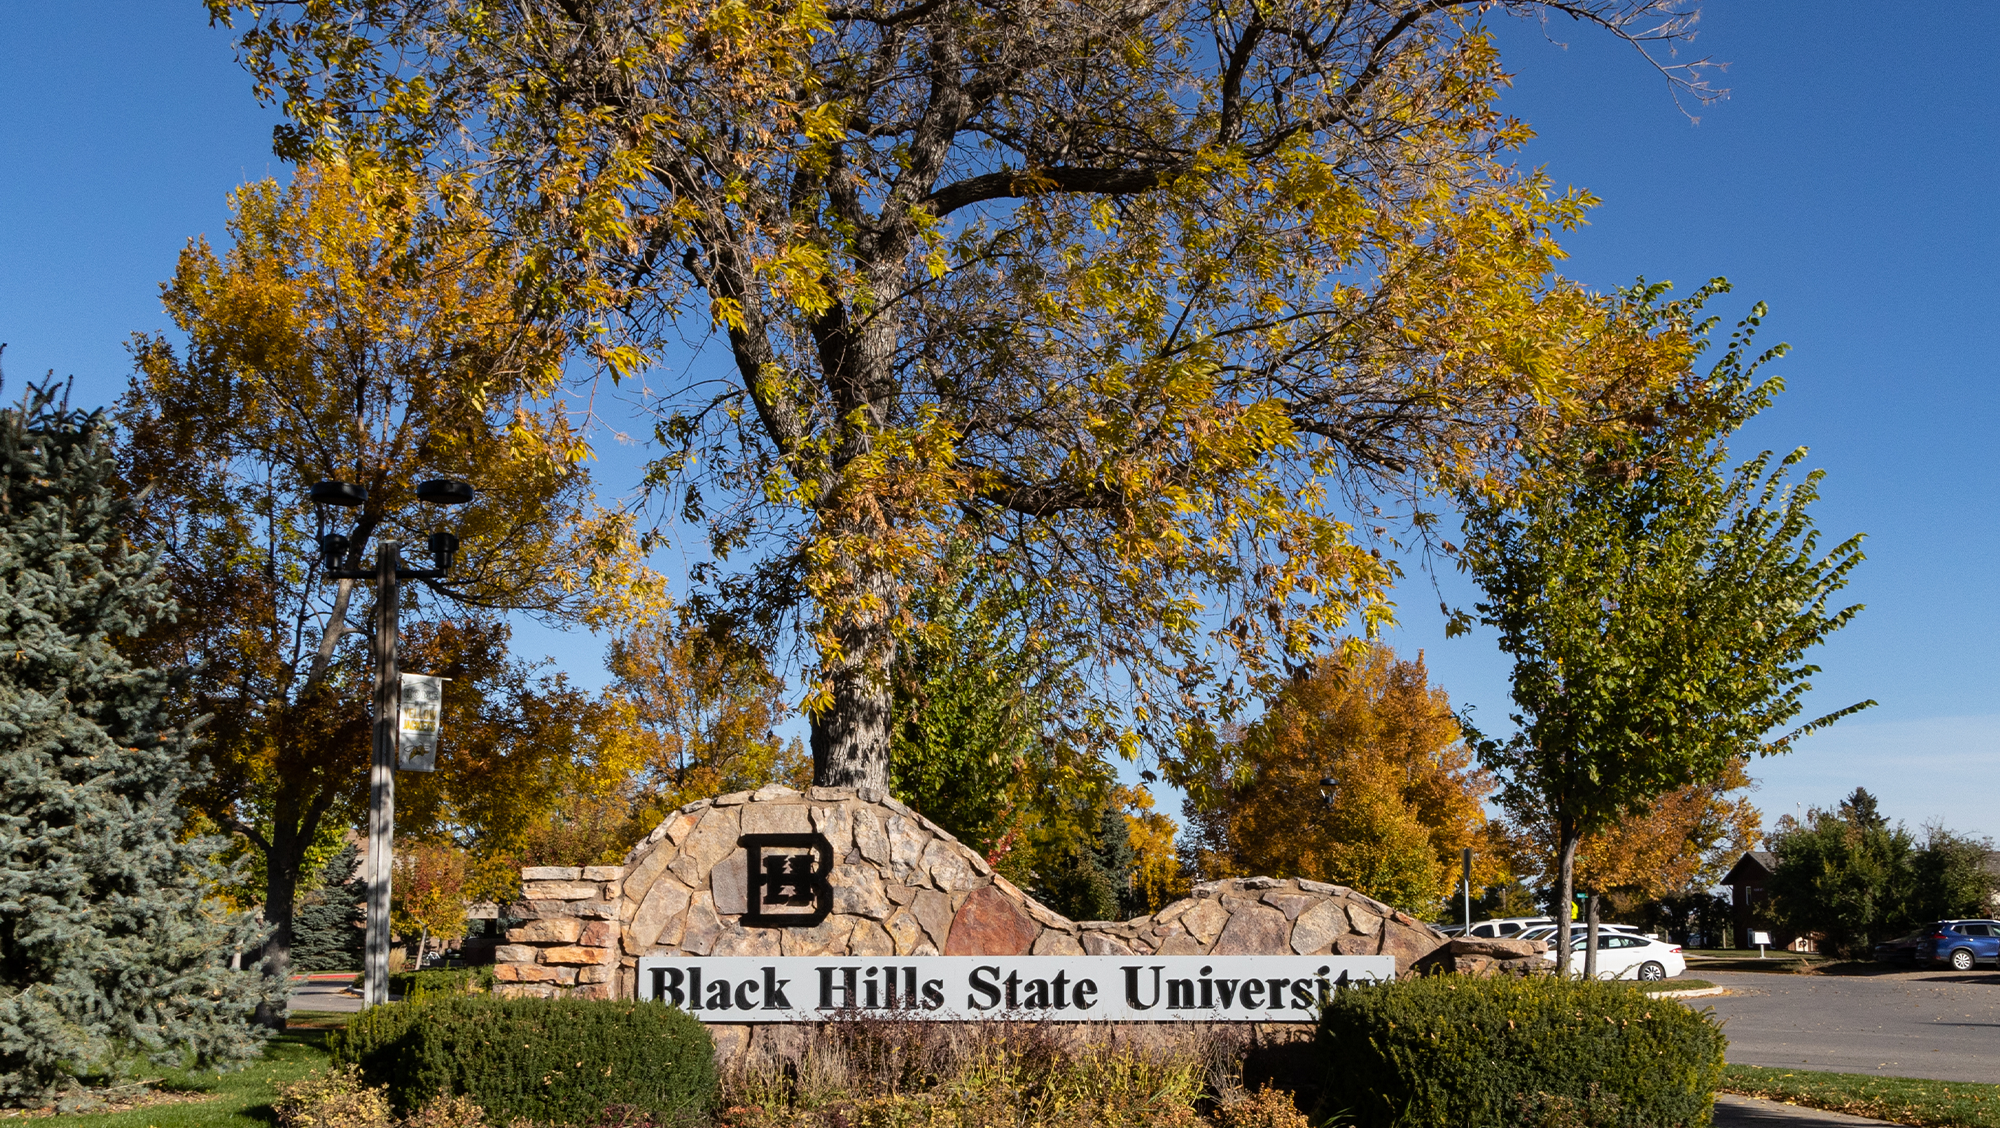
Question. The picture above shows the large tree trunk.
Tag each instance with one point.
(850, 737)
(281, 887)
(1567, 839)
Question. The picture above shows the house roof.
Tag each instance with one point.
(1755, 867)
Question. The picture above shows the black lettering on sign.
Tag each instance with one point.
(789, 884)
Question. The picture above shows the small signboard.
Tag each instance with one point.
(422, 713)
(758, 989)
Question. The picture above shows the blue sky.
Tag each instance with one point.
(1845, 182)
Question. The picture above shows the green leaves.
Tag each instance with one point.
(1658, 605)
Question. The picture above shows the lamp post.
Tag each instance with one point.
(387, 576)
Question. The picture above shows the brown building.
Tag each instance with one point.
(1748, 880)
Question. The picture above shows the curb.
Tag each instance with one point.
(1696, 993)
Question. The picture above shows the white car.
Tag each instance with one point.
(1547, 932)
(1505, 928)
(1622, 955)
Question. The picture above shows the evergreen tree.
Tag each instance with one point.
(111, 949)
(327, 927)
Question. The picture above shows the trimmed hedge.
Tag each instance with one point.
(415, 986)
(550, 1061)
(1448, 1052)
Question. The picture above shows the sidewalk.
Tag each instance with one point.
(1732, 1111)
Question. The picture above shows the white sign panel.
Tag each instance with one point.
(422, 711)
(749, 989)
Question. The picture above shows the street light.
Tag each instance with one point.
(387, 575)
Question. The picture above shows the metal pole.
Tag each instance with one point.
(382, 775)
(1467, 859)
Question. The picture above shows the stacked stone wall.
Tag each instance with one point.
(902, 886)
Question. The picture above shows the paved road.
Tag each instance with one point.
(321, 995)
(1940, 1025)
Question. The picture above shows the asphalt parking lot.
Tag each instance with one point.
(1936, 1024)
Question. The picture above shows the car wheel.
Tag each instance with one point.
(1652, 972)
(1961, 959)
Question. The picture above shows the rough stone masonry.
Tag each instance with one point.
(902, 886)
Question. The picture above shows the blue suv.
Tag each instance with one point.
(1960, 943)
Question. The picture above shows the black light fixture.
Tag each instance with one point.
(333, 546)
(444, 491)
(343, 494)
(444, 549)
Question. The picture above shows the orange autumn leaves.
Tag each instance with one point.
(1406, 797)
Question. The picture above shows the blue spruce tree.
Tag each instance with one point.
(112, 953)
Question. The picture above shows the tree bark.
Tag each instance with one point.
(1590, 937)
(850, 737)
(1567, 840)
(281, 886)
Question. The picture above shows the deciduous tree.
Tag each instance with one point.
(1405, 796)
(1658, 605)
(334, 340)
(1125, 299)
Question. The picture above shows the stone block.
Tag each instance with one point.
(1055, 942)
(774, 792)
(712, 841)
(777, 818)
(835, 823)
(1256, 930)
(525, 990)
(574, 954)
(555, 930)
(1173, 911)
(1363, 921)
(559, 890)
(598, 934)
(591, 910)
(566, 975)
(1353, 944)
(603, 873)
(514, 953)
(1182, 945)
(990, 923)
(949, 866)
(1407, 944)
(828, 937)
(829, 794)
(900, 894)
(857, 891)
(729, 881)
(551, 873)
(1204, 921)
(1289, 903)
(870, 840)
(736, 940)
(1103, 944)
(680, 825)
(703, 926)
(904, 931)
(934, 914)
(870, 939)
(639, 877)
(907, 841)
(1318, 927)
(524, 973)
(733, 799)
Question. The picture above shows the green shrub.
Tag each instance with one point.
(550, 1061)
(415, 986)
(1471, 1053)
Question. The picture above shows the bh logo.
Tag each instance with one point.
(788, 880)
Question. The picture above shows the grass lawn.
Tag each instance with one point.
(237, 1100)
(1905, 1100)
(1681, 984)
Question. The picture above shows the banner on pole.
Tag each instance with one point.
(417, 736)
